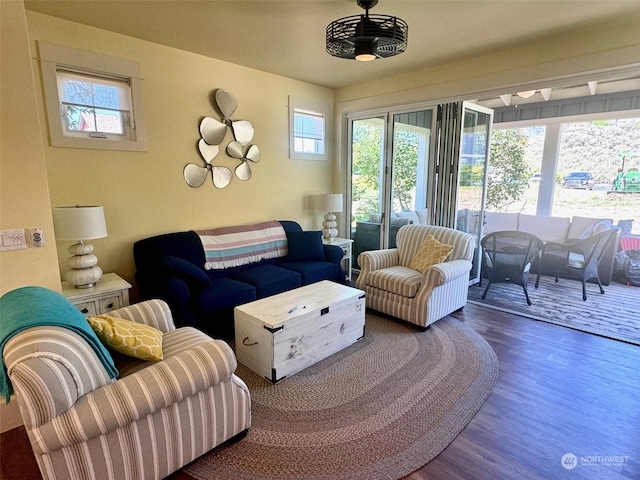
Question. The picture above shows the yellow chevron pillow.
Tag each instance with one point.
(430, 253)
(129, 338)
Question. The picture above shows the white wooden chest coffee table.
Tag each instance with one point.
(281, 335)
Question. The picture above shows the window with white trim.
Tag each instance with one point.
(307, 129)
(93, 101)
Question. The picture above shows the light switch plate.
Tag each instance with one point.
(12, 240)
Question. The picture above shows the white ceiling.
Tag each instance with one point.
(288, 37)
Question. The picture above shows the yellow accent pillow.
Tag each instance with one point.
(129, 338)
(430, 253)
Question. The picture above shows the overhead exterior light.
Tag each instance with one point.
(367, 37)
(506, 99)
(527, 93)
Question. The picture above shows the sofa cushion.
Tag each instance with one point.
(312, 272)
(305, 247)
(548, 229)
(497, 221)
(422, 216)
(399, 221)
(412, 216)
(269, 279)
(625, 227)
(134, 339)
(223, 293)
(584, 227)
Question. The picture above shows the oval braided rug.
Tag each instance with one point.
(379, 409)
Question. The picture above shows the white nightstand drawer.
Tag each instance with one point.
(110, 303)
(110, 293)
(87, 308)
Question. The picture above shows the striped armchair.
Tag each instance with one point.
(154, 419)
(394, 288)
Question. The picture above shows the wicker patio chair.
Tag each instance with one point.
(507, 256)
(578, 259)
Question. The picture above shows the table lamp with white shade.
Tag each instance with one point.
(81, 223)
(331, 202)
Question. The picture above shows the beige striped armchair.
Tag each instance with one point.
(394, 288)
(153, 419)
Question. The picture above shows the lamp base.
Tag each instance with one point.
(329, 231)
(84, 272)
(84, 277)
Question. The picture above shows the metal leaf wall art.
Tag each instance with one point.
(212, 133)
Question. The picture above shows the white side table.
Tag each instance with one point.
(110, 292)
(345, 244)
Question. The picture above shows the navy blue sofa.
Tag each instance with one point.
(171, 267)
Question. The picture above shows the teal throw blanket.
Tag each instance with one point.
(29, 307)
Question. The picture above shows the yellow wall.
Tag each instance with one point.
(144, 193)
(24, 194)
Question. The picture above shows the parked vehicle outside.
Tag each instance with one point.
(631, 181)
(535, 178)
(579, 180)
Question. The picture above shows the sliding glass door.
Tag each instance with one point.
(368, 166)
(390, 161)
(472, 175)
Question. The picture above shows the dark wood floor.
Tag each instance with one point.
(559, 392)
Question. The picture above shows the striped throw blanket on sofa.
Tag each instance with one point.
(226, 247)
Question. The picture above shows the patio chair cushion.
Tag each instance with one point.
(576, 260)
(430, 253)
(489, 262)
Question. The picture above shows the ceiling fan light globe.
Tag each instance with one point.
(365, 57)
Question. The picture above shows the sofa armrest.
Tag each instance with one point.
(191, 274)
(333, 253)
(138, 395)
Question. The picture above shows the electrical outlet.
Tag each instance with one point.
(12, 240)
(36, 237)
